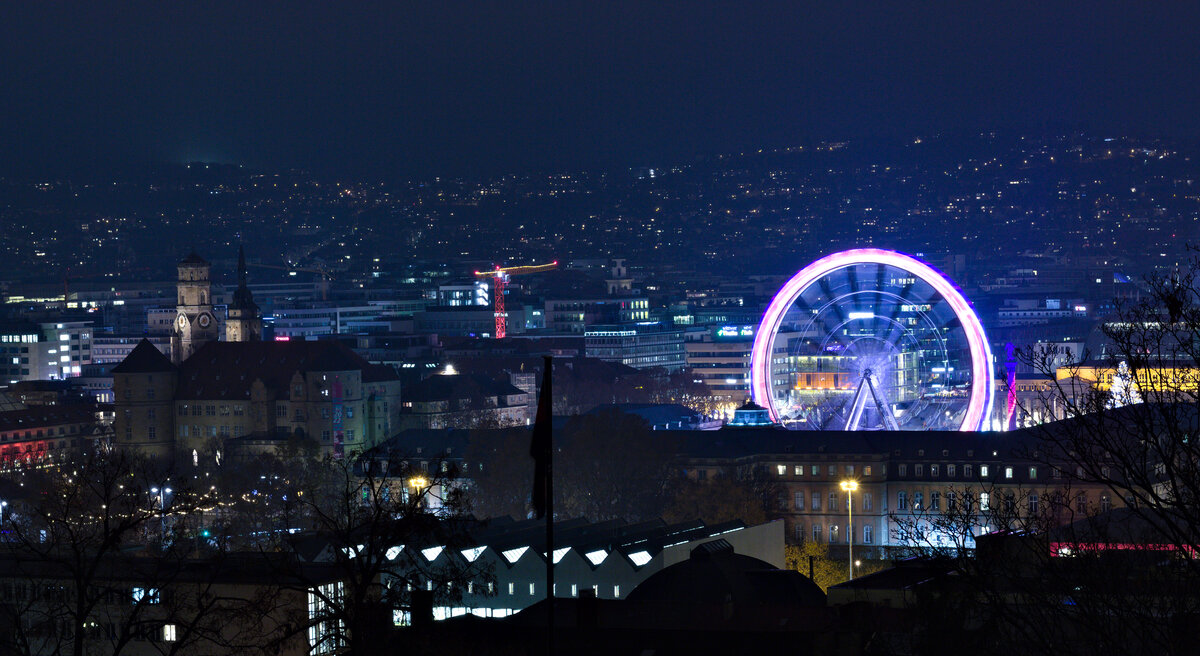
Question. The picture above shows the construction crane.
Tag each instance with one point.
(500, 276)
(322, 286)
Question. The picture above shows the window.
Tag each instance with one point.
(616, 592)
(168, 633)
(816, 500)
(935, 500)
(866, 470)
(781, 501)
(531, 588)
(933, 471)
(951, 470)
(150, 413)
(182, 411)
(798, 470)
(574, 590)
(816, 532)
(781, 470)
(798, 500)
(1033, 504)
(902, 500)
(815, 470)
(1010, 505)
(849, 470)
(1033, 473)
(1055, 472)
(1081, 502)
(950, 501)
(798, 532)
(968, 470)
(920, 470)
(984, 501)
(512, 588)
(1105, 472)
(983, 471)
(833, 497)
(902, 470)
(867, 531)
(919, 501)
(152, 433)
(833, 532)
(866, 500)
(832, 469)
(145, 595)
(1008, 473)
(1105, 503)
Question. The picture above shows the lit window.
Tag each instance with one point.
(866, 470)
(168, 633)
(616, 592)
(145, 595)
(983, 471)
(1008, 472)
(1033, 473)
(781, 470)
(799, 470)
(984, 501)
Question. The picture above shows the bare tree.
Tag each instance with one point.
(381, 531)
(98, 560)
(1102, 557)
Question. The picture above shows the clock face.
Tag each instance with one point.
(205, 320)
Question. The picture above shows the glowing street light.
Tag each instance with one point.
(849, 487)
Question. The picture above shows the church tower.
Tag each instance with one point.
(195, 324)
(243, 324)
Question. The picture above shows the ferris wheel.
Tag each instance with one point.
(870, 339)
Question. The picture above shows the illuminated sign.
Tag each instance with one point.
(735, 331)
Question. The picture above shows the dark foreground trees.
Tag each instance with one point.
(98, 556)
(1102, 558)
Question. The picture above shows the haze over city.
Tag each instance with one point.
(578, 328)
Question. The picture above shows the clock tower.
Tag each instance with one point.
(195, 324)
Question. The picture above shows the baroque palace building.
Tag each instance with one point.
(214, 399)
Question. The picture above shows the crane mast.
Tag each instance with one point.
(500, 276)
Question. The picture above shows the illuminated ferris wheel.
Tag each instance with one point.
(870, 339)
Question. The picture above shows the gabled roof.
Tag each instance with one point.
(441, 387)
(226, 370)
(145, 358)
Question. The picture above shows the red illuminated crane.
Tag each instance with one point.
(499, 278)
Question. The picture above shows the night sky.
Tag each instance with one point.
(444, 88)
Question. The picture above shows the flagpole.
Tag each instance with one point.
(541, 447)
(548, 364)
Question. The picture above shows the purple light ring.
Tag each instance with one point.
(979, 404)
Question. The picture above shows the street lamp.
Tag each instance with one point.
(162, 506)
(849, 487)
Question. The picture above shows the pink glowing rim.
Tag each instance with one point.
(979, 404)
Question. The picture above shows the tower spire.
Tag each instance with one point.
(241, 266)
(243, 324)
